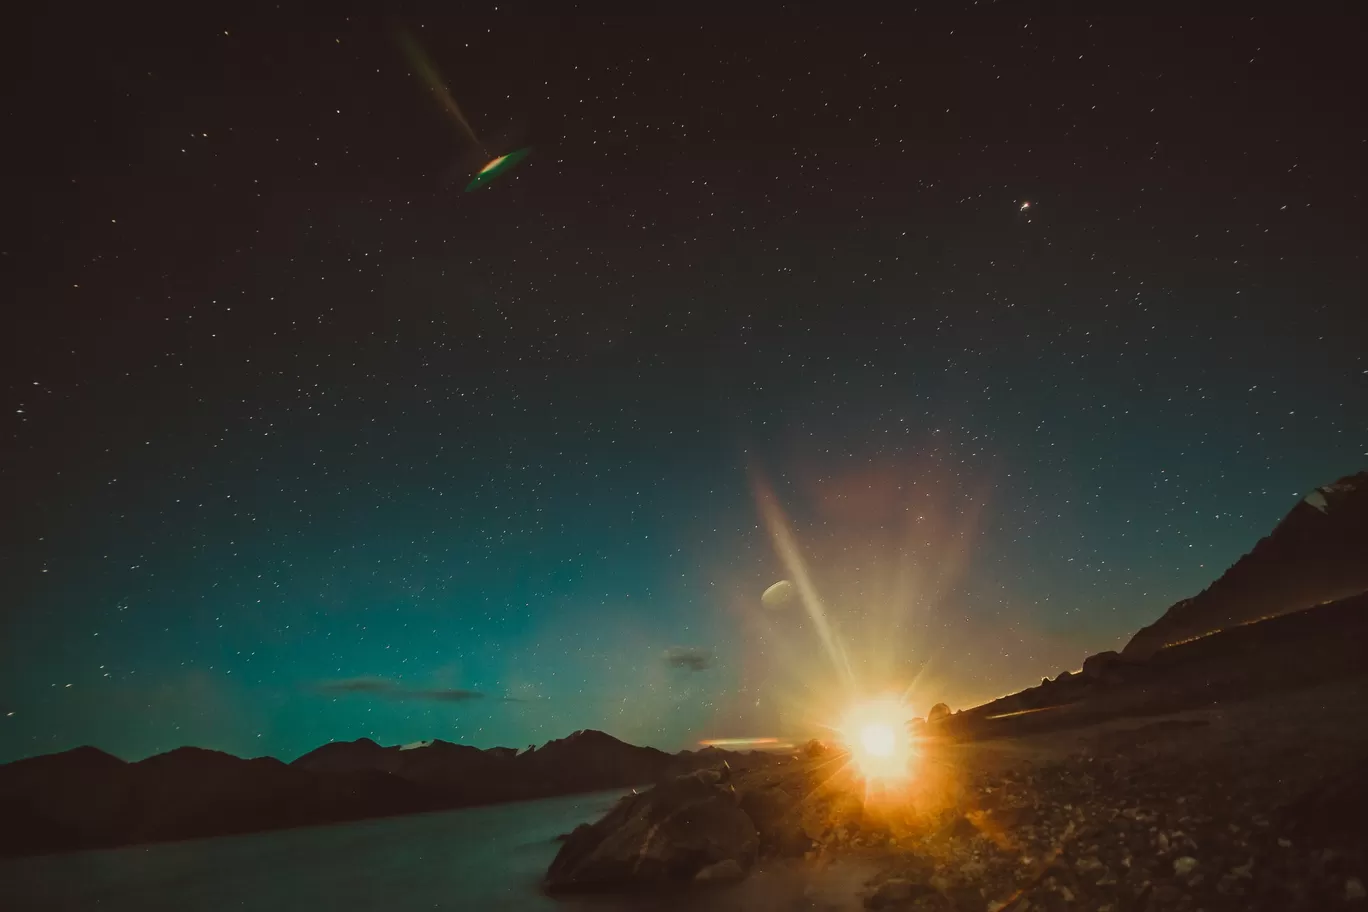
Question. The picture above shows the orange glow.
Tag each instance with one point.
(875, 733)
(494, 164)
(747, 743)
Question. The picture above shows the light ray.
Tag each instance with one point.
(792, 558)
(428, 73)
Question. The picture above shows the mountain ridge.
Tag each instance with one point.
(1313, 565)
(85, 798)
(1317, 553)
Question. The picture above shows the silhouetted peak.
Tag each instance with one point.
(89, 754)
(1334, 496)
(188, 753)
(78, 758)
(199, 758)
(583, 740)
(1314, 555)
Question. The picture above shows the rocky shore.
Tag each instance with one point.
(1258, 805)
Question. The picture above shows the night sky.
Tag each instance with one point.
(1025, 327)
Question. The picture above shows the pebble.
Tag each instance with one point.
(1184, 866)
(892, 891)
(1353, 890)
(722, 872)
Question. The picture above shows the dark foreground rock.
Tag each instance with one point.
(1231, 809)
(689, 828)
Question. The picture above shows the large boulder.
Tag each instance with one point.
(663, 836)
(777, 814)
(938, 712)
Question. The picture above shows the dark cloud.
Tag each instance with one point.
(688, 657)
(446, 695)
(358, 685)
(392, 690)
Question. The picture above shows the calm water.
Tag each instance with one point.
(480, 858)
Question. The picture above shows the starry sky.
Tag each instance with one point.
(1019, 328)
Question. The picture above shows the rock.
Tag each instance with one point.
(708, 776)
(1013, 817)
(959, 828)
(1353, 890)
(665, 835)
(778, 821)
(938, 712)
(726, 871)
(1184, 866)
(893, 891)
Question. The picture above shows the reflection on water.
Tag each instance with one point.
(478, 858)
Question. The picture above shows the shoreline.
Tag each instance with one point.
(1213, 808)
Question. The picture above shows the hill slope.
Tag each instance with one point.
(1317, 554)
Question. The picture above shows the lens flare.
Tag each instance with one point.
(496, 167)
(877, 740)
(428, 73)
(876, 734)
(762, 744)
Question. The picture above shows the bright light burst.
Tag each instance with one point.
(875, 732)
(854, 666)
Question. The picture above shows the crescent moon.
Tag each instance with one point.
(778, 595)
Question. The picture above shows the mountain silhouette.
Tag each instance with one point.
(86, 798)
(1290, 613)
(1318, 553)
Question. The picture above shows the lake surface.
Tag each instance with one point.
(478, 858)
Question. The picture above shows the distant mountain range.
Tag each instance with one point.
(1317, 554)
(85, 798)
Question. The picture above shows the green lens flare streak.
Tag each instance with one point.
(496, 167)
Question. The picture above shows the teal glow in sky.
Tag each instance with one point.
(302, 444)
